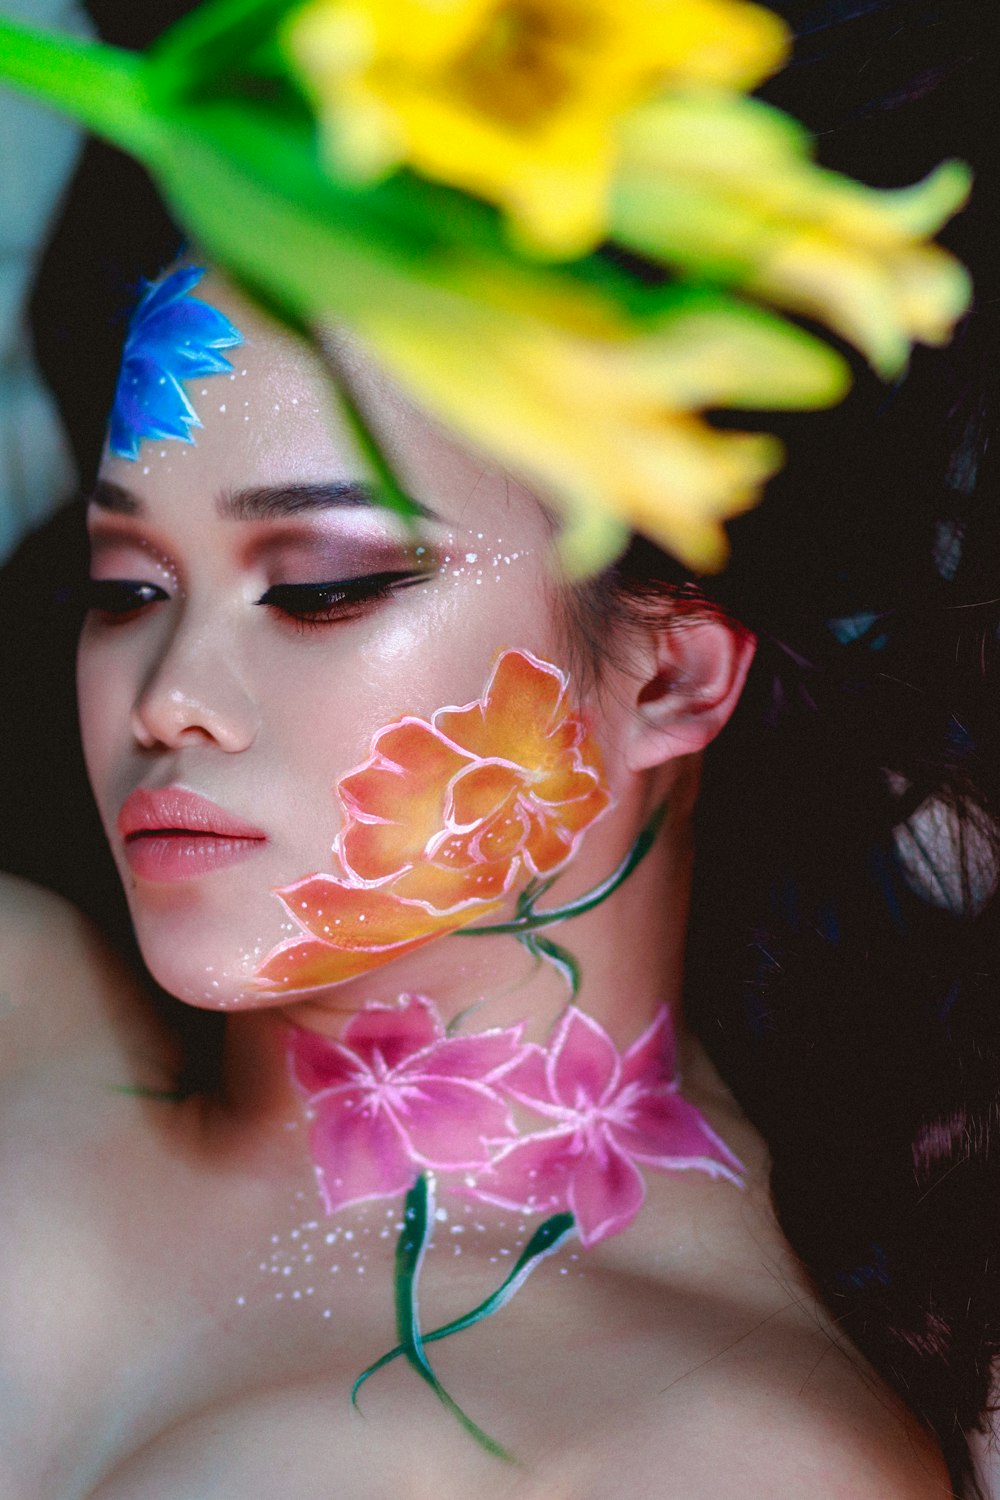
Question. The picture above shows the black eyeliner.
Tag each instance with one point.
(303, 596)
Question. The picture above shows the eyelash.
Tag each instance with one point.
(313, 605)
(118, 599)
(309, 605)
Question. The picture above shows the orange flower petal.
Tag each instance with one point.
(356, 930)
(451, 891)
(310, 964)
(403, 789)
(503, 837)
(353, 917)
(516, 713)
(547, 846)
(566, 784)
(480, 792)
(419, 749)
(577, 815)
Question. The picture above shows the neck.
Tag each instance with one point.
(629, 952)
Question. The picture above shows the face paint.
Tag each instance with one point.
(443, 822)
(172, 338)
(397, 1106)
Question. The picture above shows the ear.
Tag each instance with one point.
(690, 679)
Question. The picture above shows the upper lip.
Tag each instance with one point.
(173, 807)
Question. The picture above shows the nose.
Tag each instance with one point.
(194, 695)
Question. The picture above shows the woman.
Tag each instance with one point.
(283, 690)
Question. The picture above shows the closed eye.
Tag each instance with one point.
(338, 600)
(118, 598)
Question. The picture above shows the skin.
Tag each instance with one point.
(690, 1334)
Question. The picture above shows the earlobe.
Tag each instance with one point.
(690, 683)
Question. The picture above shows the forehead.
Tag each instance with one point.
(278, 418)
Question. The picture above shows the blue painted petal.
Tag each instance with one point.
(191, 322)
(122, 439)
(160, 294)
(168, 412)
(170, 340)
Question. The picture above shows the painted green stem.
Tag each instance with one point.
(545, 1241)
(103, 88)
(418, 1218)
(530, 920)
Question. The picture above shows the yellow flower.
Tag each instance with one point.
(604, 419)
(517, 101)
(726, 187)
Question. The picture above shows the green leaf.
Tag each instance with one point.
(213, 40)
(144, 1091)
(101, 87)
(545, 1241)
(560, 958)
(411, 1247)
(388, 490)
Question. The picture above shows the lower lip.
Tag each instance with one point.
(185, 855)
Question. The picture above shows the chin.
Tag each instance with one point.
(204, 958)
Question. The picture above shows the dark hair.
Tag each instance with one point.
(845, 927)
(843, 982)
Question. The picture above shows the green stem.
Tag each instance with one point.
(389, 490)
(545, 1241)
(103, 88)
(418, 1218)
(532, 920)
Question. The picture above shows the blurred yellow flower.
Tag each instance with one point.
(517, 101)
(725, 186)
(604, 420)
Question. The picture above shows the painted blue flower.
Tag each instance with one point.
(172, 338)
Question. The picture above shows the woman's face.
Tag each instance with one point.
(222, 676)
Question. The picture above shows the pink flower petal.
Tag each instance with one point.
(605, 1194)
(651, 1056)
(528, 1082)
(583, 1061)
(482, 1056)
(448, 1123)
(394, 1032)
(663, 1130)
(358, 1151)
(530, 1176)
(318, 1062)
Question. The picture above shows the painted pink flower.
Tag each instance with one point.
(396, 1096)
(610, 1114)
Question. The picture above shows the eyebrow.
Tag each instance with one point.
(264, 502)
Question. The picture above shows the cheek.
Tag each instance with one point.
(102, 707)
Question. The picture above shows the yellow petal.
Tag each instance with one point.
(517, 101)
(606, 426)
(725, 187)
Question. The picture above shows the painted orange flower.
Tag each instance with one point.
(444, 820)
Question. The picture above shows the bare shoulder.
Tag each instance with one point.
(842, 1450)
(816, 1423)
(61, 986)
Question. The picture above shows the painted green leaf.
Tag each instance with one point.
(411, 1247)
(545, 1241)
(546, 951)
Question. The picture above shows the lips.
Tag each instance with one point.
(172, 834)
